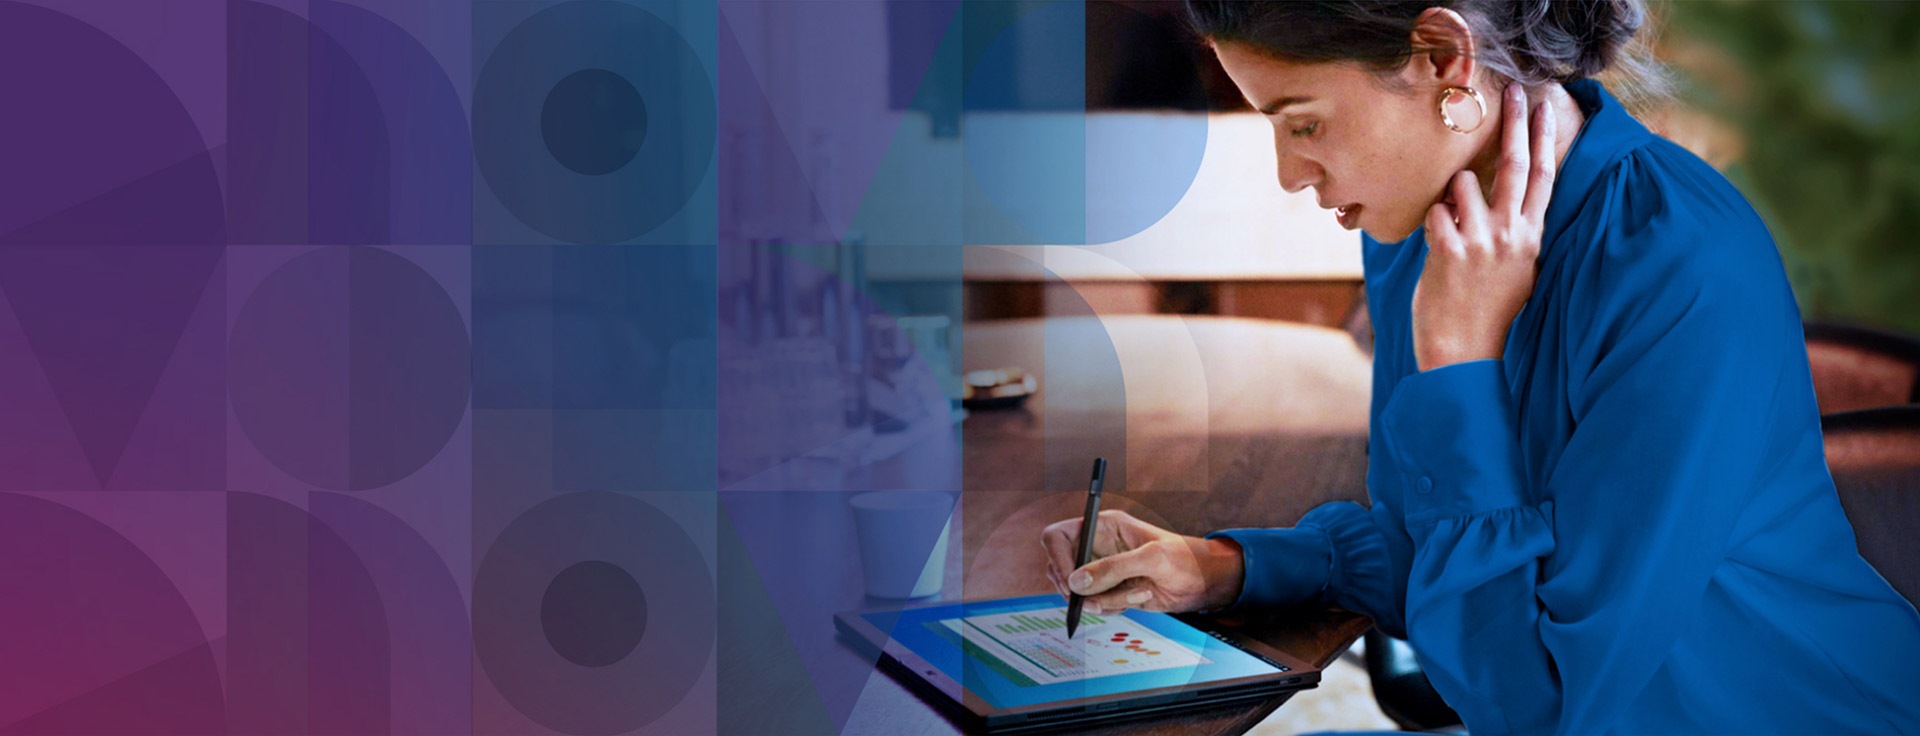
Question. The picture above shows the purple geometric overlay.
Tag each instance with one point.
(491, 366)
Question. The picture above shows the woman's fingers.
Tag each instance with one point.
(1128, 594)
(1483, 253)
(1511, 173)
(1543, 169)
(1105, 573)
(1144, 566)
(1442, 233)
(1061, 540)
(1469, 210)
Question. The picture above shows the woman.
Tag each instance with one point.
(1600, 501)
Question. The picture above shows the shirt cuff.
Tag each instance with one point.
(1362, 578)
(1283, 567)
(1452, 434)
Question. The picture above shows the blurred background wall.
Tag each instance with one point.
(1810, 108)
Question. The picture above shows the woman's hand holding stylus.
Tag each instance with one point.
(1481, 254)
(1139, 565)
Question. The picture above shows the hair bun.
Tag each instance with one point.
(1533, 42)
(1571, 39)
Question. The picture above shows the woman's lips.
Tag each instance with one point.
(1349, 215)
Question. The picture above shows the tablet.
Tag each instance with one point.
(1007, 665)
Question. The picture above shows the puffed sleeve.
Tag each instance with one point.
(1546, 604)
(1334, 555)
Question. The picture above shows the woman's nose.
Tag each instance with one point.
(1296, 173)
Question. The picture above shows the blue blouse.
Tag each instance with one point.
(1627, 523)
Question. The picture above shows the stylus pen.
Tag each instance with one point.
(1075, 600)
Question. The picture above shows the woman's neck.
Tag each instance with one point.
(1567, 121)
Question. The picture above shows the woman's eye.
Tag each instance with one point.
(1305, 131)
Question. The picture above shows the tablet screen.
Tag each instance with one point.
(1015, 652)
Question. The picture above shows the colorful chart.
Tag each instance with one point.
(1023, 623)
(1031, 648)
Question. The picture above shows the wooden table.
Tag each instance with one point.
(1207, 423)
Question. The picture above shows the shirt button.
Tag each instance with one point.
(1424, 485)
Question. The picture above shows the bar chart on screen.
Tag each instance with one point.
(1031, 647)
(1023, 623)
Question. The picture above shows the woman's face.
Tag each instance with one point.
(1380, 156)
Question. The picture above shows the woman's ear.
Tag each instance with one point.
(1442, 49)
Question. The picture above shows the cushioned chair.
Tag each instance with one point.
(1401, 688)
(1860, 368)
(1359, 324)
(1874, 455)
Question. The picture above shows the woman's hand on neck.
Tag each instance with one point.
(1567, 118)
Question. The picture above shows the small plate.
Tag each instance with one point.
(998, 388)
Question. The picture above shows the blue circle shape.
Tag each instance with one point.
(594, 613)
(594, 121)
(510, 103)
(534, 571)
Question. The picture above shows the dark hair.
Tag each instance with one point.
(1530, 41)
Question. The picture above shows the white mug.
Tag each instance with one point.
(903, 541)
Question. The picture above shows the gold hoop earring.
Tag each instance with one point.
(1447, 97)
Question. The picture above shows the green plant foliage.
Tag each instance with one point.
(1827, 98)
